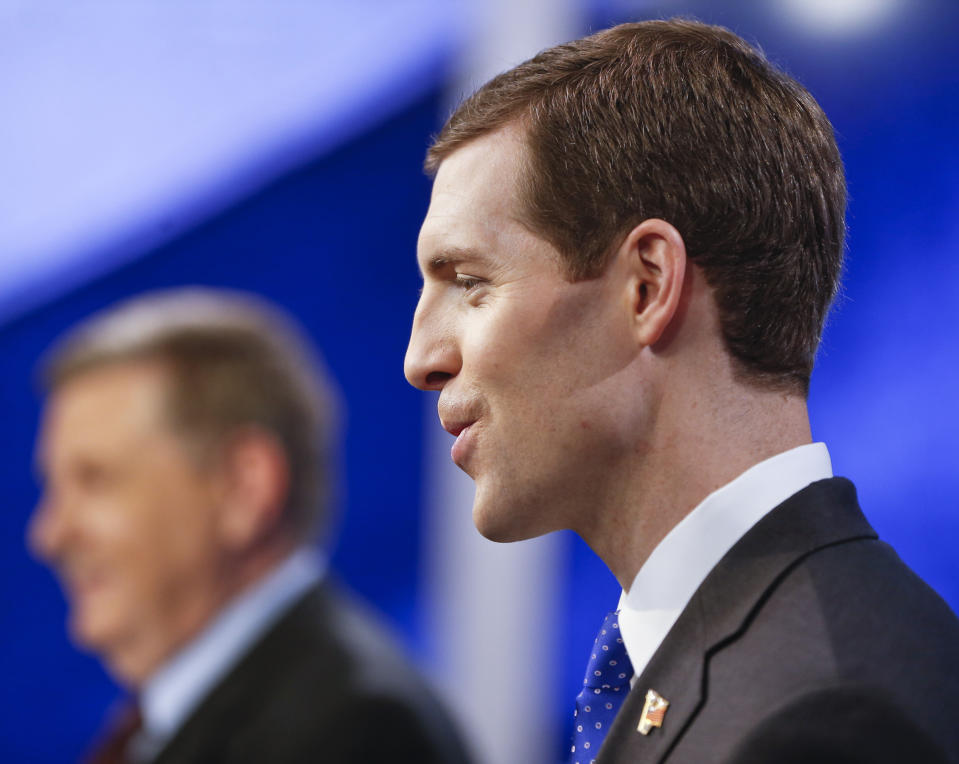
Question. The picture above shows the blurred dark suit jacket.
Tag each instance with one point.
(325, 684)
(811, 641)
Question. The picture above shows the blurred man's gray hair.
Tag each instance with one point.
(234, 362)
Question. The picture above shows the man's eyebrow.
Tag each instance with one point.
(453, 256)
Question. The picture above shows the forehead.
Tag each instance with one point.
(105, 408)
(475, 200)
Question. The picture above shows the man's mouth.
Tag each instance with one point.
(461, 429)
(462, 445)
(455, 429)
(82, 583)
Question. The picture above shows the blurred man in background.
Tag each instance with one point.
(630, 251)
(185, 458)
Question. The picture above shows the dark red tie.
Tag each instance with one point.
(112, 747)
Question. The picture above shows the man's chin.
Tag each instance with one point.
(94, 631)
(120, 657)
(87, 631)
(504, 524)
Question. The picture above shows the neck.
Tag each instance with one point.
(135, 660)
(701, 440)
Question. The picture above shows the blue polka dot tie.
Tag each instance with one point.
(604, 690)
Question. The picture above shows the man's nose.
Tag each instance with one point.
(433, 356)
(46, 531)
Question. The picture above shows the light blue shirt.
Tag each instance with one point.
(174, 691)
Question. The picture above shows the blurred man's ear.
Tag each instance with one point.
(255, 474)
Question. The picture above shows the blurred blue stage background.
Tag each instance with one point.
(276, 147)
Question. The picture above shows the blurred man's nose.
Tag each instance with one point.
(433, 357)
(47, 530)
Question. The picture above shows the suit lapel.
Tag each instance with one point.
(205, 734)
(673, 675)
(822, 514)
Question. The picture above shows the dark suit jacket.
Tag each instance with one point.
(325, 684)
(810, 641)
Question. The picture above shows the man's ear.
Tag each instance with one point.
(255, 483)
(655, 257)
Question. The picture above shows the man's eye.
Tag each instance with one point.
(92, 477)
(466, 282)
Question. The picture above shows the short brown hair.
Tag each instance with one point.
(234, 361)
(689, 123)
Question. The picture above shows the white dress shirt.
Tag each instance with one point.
(172, 693)
(682, 560)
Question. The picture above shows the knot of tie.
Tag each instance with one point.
(124, 724)
(605, 686)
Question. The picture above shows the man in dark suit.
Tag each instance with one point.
(631, 248)
(184, 454)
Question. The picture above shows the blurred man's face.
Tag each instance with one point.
(530, 366)
(126, 518)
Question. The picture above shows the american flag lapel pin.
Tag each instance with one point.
(653, 712)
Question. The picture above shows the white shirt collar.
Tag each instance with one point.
(175, 689)
(682, 560)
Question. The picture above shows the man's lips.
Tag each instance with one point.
(79, 576)
(461, 446)
(455, 428)
(84, 585)
(461, 430)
